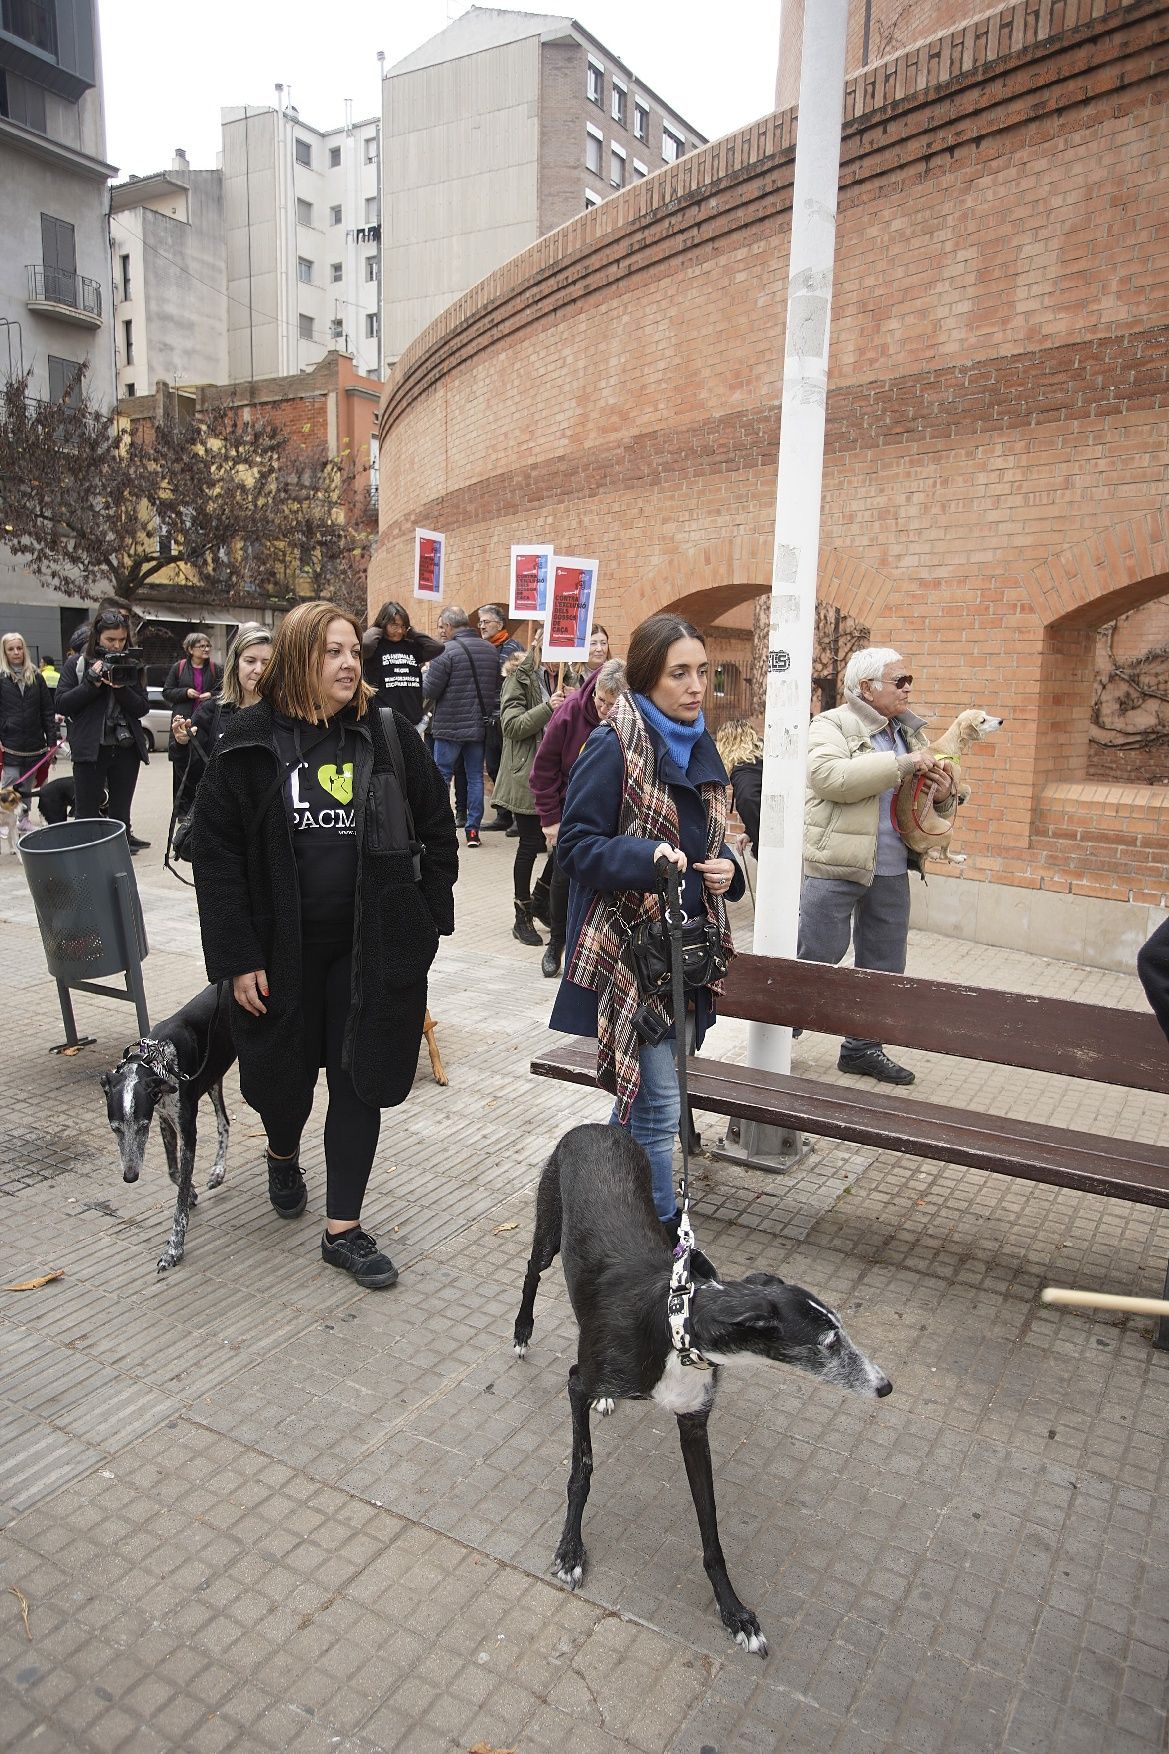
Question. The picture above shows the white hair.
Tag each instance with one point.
(26, 676)
(868, 665)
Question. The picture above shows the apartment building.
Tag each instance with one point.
(303, 234)
(499, 129)
(54, 250)
(169, 279)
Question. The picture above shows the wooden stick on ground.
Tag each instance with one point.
(1156, 1306)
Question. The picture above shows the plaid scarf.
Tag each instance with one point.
(601, 961)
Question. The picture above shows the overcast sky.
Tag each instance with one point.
(168, 68)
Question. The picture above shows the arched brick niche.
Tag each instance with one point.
(997, 403)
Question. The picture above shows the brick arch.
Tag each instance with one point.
(1106, 575)
(704, 584)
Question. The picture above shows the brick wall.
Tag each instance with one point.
(893, 25)
(999, 382)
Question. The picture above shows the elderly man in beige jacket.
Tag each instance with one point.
(856, 882)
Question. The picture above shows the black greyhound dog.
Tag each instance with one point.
(595, 1207)
(171, 1071)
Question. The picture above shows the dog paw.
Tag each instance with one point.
(568, 1565)
(193, 1200)
(169, 1258)
(215, 1179)
(747, 1632)
(520, 1348)
(604, 1405)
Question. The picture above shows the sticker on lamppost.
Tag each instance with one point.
(429, 554)
(778, 662)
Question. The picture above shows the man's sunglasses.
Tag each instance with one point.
(900, 682)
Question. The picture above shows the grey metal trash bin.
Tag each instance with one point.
(82, 885)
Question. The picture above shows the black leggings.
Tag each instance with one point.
(531, 847)
(559, 907)
(351, 1125)
(114, 772)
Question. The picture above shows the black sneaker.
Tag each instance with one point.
(136, 845)
(876, 1064)
(286, 1188)
(501, 823)
(473, 838)
(460, 819)
(359, 1254)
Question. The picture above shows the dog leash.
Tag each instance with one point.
(681, 1284)
(148, 1049)
(40, 758)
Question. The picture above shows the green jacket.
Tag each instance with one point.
(524, 710)
(846, 777)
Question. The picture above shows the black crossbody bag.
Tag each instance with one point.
(703, 958)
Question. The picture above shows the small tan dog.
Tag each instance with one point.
(15, 820)
(920, 826)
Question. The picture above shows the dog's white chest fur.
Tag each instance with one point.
(681, 1388)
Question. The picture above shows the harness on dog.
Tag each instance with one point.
(681, 1284)
(148, 1051)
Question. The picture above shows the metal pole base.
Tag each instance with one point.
(775, 1150)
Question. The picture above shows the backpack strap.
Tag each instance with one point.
(401, 815)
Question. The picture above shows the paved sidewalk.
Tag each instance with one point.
(252, 1507)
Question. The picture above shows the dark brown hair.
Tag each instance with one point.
(291, 681)
(392, 611)
(648, 645)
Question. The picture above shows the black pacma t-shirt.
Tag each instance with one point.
(319, 795)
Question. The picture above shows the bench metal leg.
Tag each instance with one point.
(776, 1150)
(1161, 1331)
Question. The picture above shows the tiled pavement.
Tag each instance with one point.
(251, 1507)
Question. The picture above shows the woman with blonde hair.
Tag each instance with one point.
(741, 748)
(325, 860)
(28, 725)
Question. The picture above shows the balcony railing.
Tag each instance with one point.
(70, 295)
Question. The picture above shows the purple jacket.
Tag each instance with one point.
(565, 735)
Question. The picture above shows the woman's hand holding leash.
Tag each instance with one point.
(250, 991)
(668, 855)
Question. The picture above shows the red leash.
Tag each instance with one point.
(40, 758)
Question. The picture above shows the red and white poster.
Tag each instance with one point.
(429, 555)
(531, 563)
(572, 601)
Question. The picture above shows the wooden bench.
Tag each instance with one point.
(1115, 1047)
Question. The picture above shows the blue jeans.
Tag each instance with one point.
(654, 1118)
(468, 756)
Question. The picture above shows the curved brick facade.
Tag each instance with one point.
(994, 483)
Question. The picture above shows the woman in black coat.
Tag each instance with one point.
(393, 655)
(28, 725)
(190, 682)
(103, 712)
(313, 906)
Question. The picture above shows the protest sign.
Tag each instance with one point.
(429, 555)
(572, 600)
(528, 590)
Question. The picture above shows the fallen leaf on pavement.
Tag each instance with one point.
(23, 1600)
(35, 1284)
(486, 1748)
(500, 1228)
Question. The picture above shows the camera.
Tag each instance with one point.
(123, 666)
(650, 1027)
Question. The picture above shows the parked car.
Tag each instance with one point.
(156, 724)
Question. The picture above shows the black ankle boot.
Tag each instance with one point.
(550, 961)
(523, 928)
(541, 902)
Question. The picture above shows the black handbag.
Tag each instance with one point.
(703, 958)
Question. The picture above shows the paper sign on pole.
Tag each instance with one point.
(429, 554)
(572, 600)
(528, 590)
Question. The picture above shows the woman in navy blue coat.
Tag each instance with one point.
(648, 785)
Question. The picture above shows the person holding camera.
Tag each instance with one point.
(647, 790)
(102, 697)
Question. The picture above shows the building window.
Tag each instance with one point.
(130, 390)
(639, 170)
(304, 211)
(371, 326)
(640, 120)
(126, 277)
(128, 340)
(336, 272)
(673, 145)
(334, 216)
(33, 21)
(371, 210)
(371, 267)
(22, 102)
(616, 167)
(591, 200)
(371, 149)
(595, 88)
(59, 259)
(620, 101)
(304, 270)
(334, 158)
(64, 381)
(304, 154)
(594, 146)
(306, 326)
